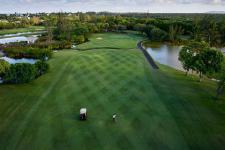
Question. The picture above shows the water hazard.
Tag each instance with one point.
(166, 54)
(21, 60)
(29, 39)
(18, 34)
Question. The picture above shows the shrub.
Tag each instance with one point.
(81, 31)
(92, 29)
(28, 52)
(20, 73)
(42, 39)
(79, 38)
(62, 37)
(42, 67)
(4, 67)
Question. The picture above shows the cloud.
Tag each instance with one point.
(107, 5)
(125, 2)
(185, 2)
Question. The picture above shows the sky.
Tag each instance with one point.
(153, 6)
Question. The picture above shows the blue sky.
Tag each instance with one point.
(154, 6)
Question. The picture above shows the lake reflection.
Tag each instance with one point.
(30, 38)
(22, 60)
(166, 54)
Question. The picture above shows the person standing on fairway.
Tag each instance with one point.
(114, 117)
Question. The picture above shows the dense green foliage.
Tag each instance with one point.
(28, 52)
(4, 25)
(81, 31)
(158, 35)
(4, 67)
(185, 56)
(221, 83)
(208, 60)
(198, 56)
(20, 73)
(75, 27)
(42, 67)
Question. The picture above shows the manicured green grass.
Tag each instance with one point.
(110, 40)
(156, 109)
(28, 29)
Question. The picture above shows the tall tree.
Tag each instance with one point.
(211, 32)
(222, 30)
(36, 20)
(48, 27)
(61, 24)
(188, 53)
(208, 60)
(196, 20)
(221, 83)
(175, 33)
(196, 34)
(147, 17)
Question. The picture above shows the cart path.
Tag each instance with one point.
(150, 60)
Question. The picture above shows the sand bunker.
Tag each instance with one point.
(99, 38)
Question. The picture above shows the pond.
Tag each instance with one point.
(21, 60)
(21, 33)
(29, 39)
(166, 54)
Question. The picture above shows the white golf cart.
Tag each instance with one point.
(83, 114)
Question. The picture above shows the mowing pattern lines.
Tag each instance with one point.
(156, 109)
(94, 80)
(33, 110)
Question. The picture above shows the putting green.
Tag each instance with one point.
(156, 109)
(110, 40)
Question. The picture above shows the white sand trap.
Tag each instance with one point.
(99, 38)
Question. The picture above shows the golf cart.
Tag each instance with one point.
(83, 114)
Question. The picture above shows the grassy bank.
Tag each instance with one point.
(28, 29)
(156, 109)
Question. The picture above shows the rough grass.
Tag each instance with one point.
(156, 109)
(28, 29)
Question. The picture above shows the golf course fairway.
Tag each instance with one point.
(155, 109)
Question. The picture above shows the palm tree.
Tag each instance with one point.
(196, 35)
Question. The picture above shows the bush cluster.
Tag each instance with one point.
(28, 52)
(25, 72)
